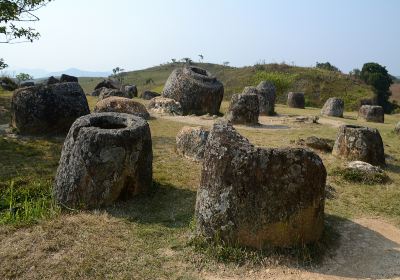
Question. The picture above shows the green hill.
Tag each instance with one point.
(317, 84)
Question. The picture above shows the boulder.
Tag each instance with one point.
(364, 167)
(372, 113)
(244, 109)
(27, 84)
(397, 128)
(106, 157)
(109, 83)
(266, 98)
(52, 81)
(131, 90)
(47, 109)
(333, 107)
(122, 105)
(107, 92)
(296, 100)
(68, 79)
(359, 143)
(147, 95)
(322, 144)
(195, 89)
(191, 142)
(164, 105)
(256, 197)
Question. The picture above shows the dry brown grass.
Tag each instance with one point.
(395, 89)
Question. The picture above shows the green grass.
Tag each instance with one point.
(317, 84)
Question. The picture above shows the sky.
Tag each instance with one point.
(98, 35)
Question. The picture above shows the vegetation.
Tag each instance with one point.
(356, 176)
(317, 84)
(21, 77)
(326, 66)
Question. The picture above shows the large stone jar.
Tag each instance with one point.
(195, 89)
(257, 197)
(106, 157)
(296, 100)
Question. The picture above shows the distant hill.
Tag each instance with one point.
(317, 84)
(40, 73)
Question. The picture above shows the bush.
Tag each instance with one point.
(357, 176)
(8, 84)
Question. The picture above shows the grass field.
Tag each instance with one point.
(147, 237)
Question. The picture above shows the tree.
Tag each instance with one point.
(21, 77)
(201, 57)
(3, 65)
(355, 73)
(378, 77)
(187, 60)
(118, 74)
(173, 60)
(327, 66)
(226, 63)
(13, 15)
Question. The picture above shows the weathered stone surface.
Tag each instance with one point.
(195, 89)
(296, 100)
(364, 167)
(164, 105)
(131, 91)
(359, 143)
(397, 128)
(191, 142)
(109, 83)
(122, 105)
(259, 197)
(27, 84)
(372, 113)
(266, 98)
(317, 143)
(52, 81)
(244, 109)
(334, 107)
(106, 157)
(147, 95)
(107, 92)
(47, 109)
(68, 79)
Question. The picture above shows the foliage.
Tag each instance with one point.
(327, 66)
(118, 74)
(13, 13)
(8, 83)
(21, 77)
(282, 81)
(3, 65)
(226, 63)
(357, 176)
(355, 73)
(378, 77)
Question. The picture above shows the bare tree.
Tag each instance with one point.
(201, 57)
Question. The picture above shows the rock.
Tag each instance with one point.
(359, 143)
(257, 197)
(195, 89)
(27, 84)
(122, 105)
(296, 100)
(397, 128)
(68, 79)
(164, 105)
(243, 109)
(266, 98)
(333, 107)
(371, 113)
(109, 83)
(317, 143)
(52, 81)
(131, 90)
(47, 109)
(147, 95)
(191, 141)
(307, 119)
(364, 167)
(107, 92)
(106, 157)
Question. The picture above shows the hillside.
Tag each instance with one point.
(317, 84)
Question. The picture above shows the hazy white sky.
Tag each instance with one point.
(98, 35)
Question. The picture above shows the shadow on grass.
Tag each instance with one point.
(166, 205)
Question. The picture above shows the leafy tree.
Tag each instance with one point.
(201, 57)
(355, 73)
(21, 77)
(327, 66)
(378, 77)
(118, 74)
(173, 60)
(226, 63)
(187, 60)
(3, 65)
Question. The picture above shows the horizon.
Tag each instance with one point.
(295, 33)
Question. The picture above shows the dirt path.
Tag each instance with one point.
(369, 249)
